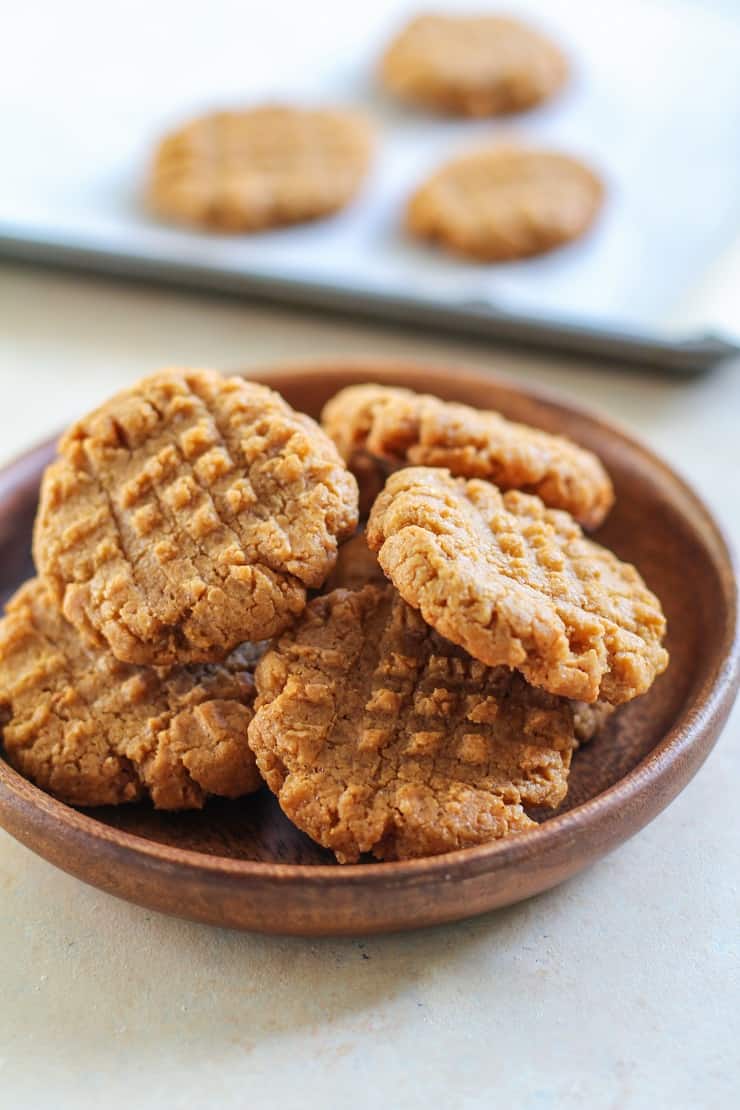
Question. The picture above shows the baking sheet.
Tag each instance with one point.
(654, 105)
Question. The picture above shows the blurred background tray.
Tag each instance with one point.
(653, 105)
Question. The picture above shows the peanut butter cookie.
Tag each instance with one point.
(261, 167)
(379, 736)
(188, 514)
(518, 584)
(472, 65)
(504, 203)
(94, 731)
(391, 428)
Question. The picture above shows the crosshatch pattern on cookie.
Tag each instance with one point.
(377, 735)
(260, 167)
(95, 731)
(505, 202)
(518, 584)
(188, 514)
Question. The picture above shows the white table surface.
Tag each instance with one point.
(619, 989)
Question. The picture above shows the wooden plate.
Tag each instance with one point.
(242, 864)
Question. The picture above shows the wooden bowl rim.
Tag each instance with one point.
(707, 705)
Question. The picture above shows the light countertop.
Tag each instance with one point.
(619, 989)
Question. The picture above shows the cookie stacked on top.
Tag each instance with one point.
(428, 699)
(442, 695)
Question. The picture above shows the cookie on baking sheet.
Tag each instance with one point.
(94, 731)
(379, 736)
(356, 566)
(371, 473)
(260, 167)
(518, 584)
(395, 427)
(505, 202)
(190, 513)
(472, 65)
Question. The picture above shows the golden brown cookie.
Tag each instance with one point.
(356, 566)
(379, 736)
(94, 731)
(190, 513)
(518, 584)
(395, 427)
(472, 65)
(261, 167)
(504, 202)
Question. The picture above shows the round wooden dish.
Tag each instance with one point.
(242, 864)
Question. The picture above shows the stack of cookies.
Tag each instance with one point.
(183, 523)
(428, 697)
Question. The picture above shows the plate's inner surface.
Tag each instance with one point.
(644, 527)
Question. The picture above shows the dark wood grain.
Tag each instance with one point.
(243, 864)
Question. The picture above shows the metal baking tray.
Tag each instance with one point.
(664, 142)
